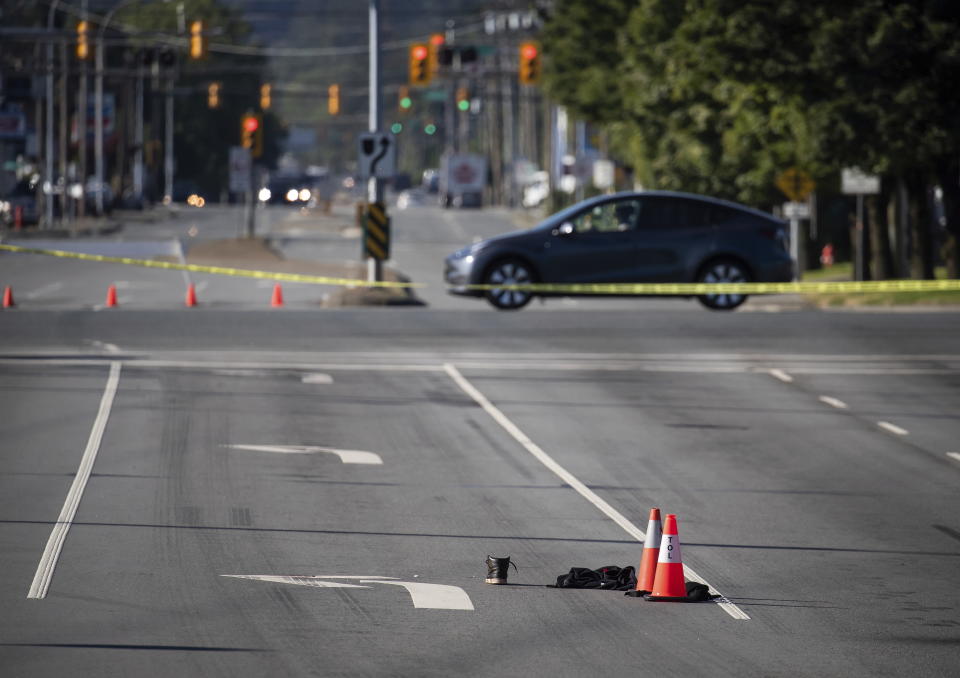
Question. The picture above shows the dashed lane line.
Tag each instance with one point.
(893, 428)
(833, 402)
(781, 375)
(540, 455)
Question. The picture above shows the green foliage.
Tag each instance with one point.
(719, 96)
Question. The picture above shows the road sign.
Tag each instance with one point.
(855, 182)
(376, 232)
(796, 210)
(795, 184)
(239, 169)
(376, 155)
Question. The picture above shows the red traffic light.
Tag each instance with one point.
(420, 52)
(437, 39)
(528, 51)
(250, 123)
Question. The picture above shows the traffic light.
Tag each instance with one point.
(265, 98)
(420, 65)
(463, 99)
(198, 42)
(251, 133)
(83, 46)
(404, 102)
(436, 44)
(430, 129)
(333, 100)
(213, 95)
(529, 71)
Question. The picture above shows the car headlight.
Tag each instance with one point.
(292, 195)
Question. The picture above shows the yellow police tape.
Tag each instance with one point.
(639, 289)
(218, 270)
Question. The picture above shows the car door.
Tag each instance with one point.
(673, 234)
(596, 245)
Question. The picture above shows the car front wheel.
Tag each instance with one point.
(509, 272)
(723, 271)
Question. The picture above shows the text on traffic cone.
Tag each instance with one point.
(668, 583)
(8, 297)
(277, 299)
(191, 295)
(111, 296)
(651, 552)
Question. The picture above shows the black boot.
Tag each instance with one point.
(497, 569)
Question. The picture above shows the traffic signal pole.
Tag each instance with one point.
(374, 185)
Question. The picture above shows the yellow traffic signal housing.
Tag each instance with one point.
(420, 73)
(437, 41)
(213, 95)
(251, 133)
(530, 64)
(198, 41)
(404, 102)
(266, 99)
(463, 99)
(333, 100)
(83, 46)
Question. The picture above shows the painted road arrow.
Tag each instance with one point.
(346, 456)
(424, 596)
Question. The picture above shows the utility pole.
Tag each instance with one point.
(374, 185)
(48, 132)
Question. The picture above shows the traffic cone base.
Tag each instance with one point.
(651, 550)
(669, 584)
(8, 297)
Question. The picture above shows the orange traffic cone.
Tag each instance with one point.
(277, 300)
(669, 584)
(111, 296)
(8, 297)
(191, 300)
(651, 550)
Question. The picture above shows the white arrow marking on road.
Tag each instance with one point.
(346, 456)
(318, 378)
(433, 596)
(424, 596)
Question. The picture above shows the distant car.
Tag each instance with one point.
(650, 236)
(22, 199)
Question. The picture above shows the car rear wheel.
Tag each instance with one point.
(723, 271)
(509, 272)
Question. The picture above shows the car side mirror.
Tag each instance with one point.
(566, 228)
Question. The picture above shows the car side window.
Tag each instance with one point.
(608, 217)
(668, 213)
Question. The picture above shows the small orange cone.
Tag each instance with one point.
(651, 550)
(669, 584)
(8, 297)
(111, 296)
(191, 300)
(277, 300)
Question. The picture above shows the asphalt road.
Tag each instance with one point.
(196, 491)
(836, 536)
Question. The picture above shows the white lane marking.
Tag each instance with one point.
(833, 402)
(433, 596)
(41, 291)
(48, 562)
(781, 375)
(299, 581)
(892, 428)
(573, 481)
(424, 596)
(346, 456)
(109, 348)
(239, 373)
(178, 248)
(316, 378)
(954, 455)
